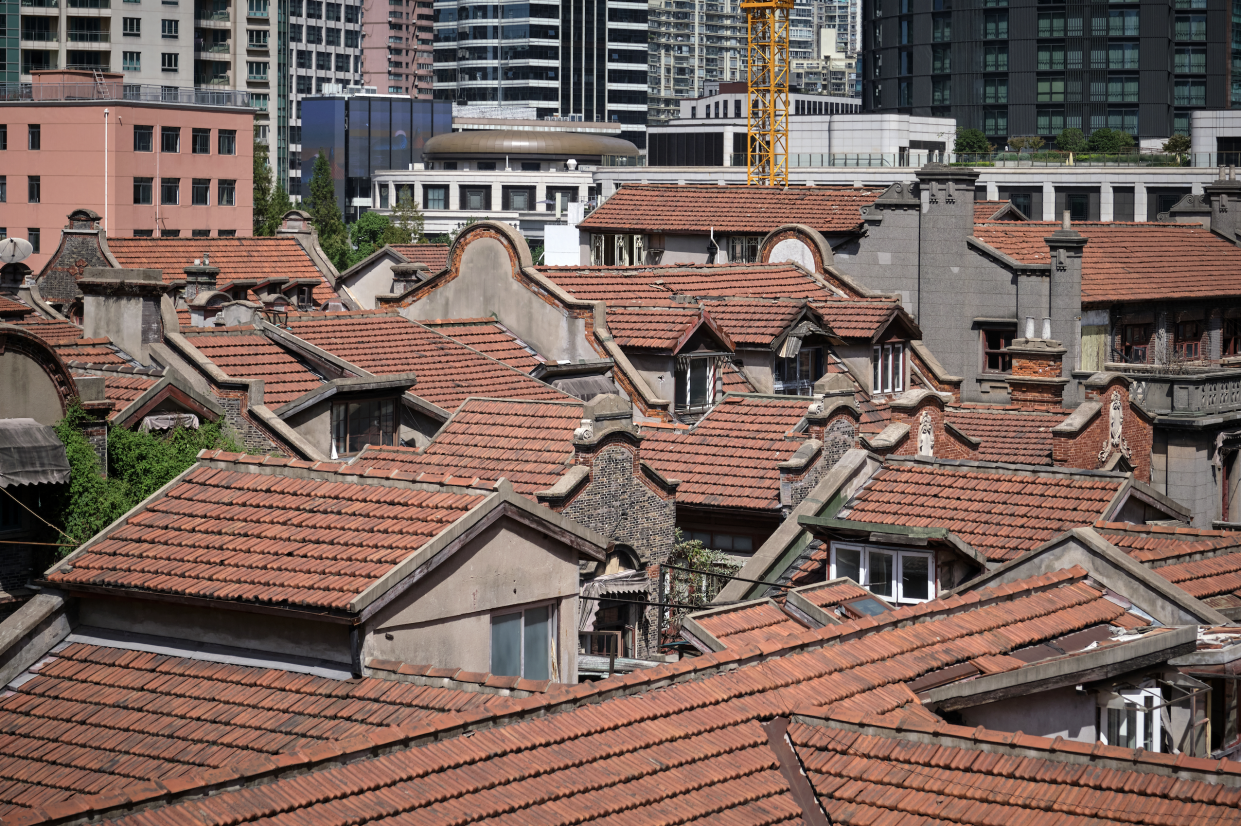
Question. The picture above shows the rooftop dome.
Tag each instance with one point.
(494, 142)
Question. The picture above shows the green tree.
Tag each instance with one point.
(262, 190)
(971, 142)
(138, 465)
(407, 220)
(1177, 145)
(1110, 141)
(279, 205)
(325, 213)
(1033, 143)
(1071, 140)
(367, 234)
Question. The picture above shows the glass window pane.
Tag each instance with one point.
(881, 573)
(537, 644)
(506, 645)
(849, 563)
(698, 382)
(915, 577)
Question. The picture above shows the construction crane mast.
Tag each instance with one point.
(767, 27)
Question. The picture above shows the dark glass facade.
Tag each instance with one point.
(1025, 67)
(365, 133)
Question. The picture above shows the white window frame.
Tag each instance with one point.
(888, 368)
(899, 554)
(554, 669)
(1146, 701)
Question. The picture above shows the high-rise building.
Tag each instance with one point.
(325, 50)
(576, 59)
(1030, 68)
(397, 46)
(692, 43)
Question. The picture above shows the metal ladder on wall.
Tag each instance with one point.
(101, 88)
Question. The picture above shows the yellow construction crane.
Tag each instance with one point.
(767, 27)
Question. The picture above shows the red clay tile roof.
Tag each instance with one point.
(655, 286)
(435, 256)
(383, 343)
(1132, 262)
(751, 321)
(655, 328)
(525, 442)
(9, 307)
(680, 743)
(838, 593)
(926, 771)
(52, 330)
(736, 381)
(245, 353)
(124, 389)
(486, 335)
(267, 537)
(729, 458)
(726, 209)
(1204, 563)
(749, 623)
(91, 351)
(986, 210)
(857, 318)
(98, 720)
(1009, 434)
(1001, 514)
(66, 339)
(237, 258)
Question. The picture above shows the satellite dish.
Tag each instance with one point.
(13, 250)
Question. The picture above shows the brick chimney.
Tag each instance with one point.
(1064, 301)
(199, 278)
(1038, 367)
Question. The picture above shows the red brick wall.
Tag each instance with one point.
(947, 445)
(1083, 450)
(1039, 366)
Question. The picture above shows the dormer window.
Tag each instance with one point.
(894, 574)
(796, 376)
(695, 383)
(617, 250)
(305, 298)
(743, 249)
(358, 424)
(889, 368)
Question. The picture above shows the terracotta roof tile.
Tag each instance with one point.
(749, 623)
(837, 593)
(1000, 514)
(1204, 563)
(124, 389)
(435, 256)
(655, 328)
(986, 210)
(857, 318)
(526, 442)
(753, 322)
(1007, 434)
(97, 720)
(486, 335)
(245, 353)
(1132, 262)
(266, 537)
(729, 458)
(9, 307)
(895, 773)
(691, 750)
(655, 286)
(237, 258)
(448, 372)
(751, 209)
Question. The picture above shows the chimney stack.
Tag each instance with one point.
(123, 305)
(1038, 367)
(199, 278)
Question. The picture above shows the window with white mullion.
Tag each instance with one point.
(896, 575)
(889, 368)
(1131, 719)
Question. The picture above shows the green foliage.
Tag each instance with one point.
(367, 234)
(1110, 141)
(1033, 143)
(407, 220)
(1071, 140)
(90, 502)
(697, 589)
(971, 142)
(325, 213)
(139, 464)
(1177, 144)
(280, 204)
(262, 190)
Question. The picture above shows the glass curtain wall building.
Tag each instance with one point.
(1022, 67)
(578, 59)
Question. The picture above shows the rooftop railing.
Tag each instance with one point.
(1006, 160)
(111, 90)
(1202, 391)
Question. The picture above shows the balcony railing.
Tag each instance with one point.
(39, 36)
(111, 90)
(217, 16)
(40, 4)
(88, 37)
(1201, 391)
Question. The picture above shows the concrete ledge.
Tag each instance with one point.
(31, 631)
(1078, 419)
(889, 437)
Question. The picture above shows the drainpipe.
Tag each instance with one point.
(106, 225)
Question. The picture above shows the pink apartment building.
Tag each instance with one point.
(178, 161)
(397, 46)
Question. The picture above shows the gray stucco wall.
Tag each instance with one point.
(485, 285)
(1060, 712)
(242, 629)
(445, 620)
(365, 284)
(38, 398)
(1181, 469)
(759, 368)
(657, 370)
(314, 424)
